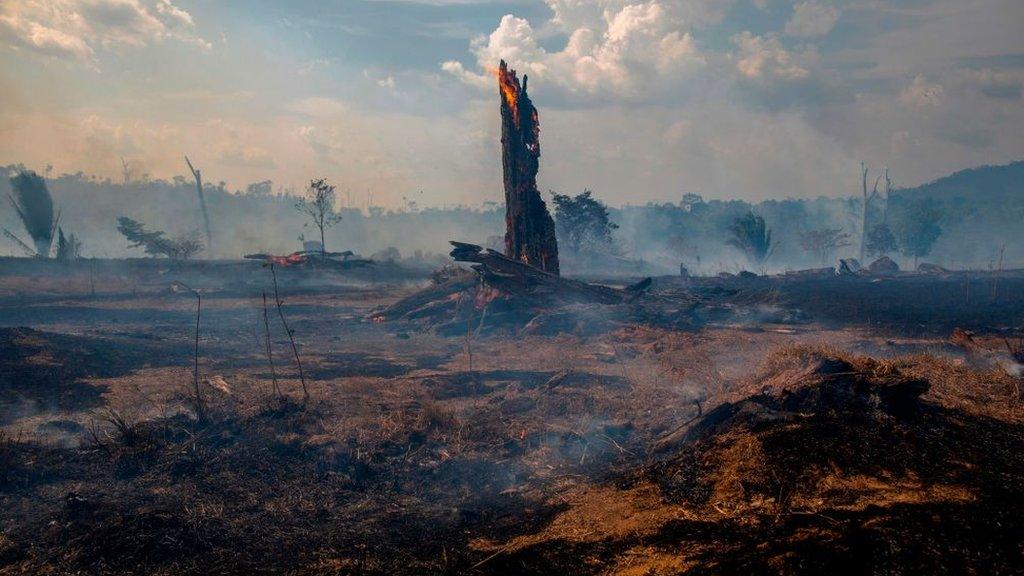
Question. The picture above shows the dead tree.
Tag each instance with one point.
(202, 205)
(530, 230)
(126, 172)
(867, 203)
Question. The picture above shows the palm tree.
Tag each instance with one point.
(752, 237)
(34, 205)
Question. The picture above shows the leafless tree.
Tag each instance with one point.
(821, 243)
(320, 208)
(202, 205)
(867, 199)
(126, 171)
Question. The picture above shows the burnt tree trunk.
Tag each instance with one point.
(530, 230)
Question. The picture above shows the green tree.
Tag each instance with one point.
(319, 207)
(34, 205)
(582, 223)
(881, 240)
(919, 228)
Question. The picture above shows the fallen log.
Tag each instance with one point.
(537, 286)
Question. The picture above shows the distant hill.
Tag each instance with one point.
(984, 212)
(985, 184)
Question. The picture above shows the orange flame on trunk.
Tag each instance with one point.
(509, 86)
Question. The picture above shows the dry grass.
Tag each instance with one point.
(805, 460)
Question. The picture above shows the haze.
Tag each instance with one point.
(639, 100)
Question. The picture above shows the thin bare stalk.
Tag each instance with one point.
(291, 338)
(469, 334)
(195, 369)
(270, 355)
(999, 272)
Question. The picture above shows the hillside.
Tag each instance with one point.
(986, 184)
(983, 213)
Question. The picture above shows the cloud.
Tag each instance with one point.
(456, 69)
(764, 59)
(995, 84)
(387, 81)
(921, 93)
(317, 107)
(76, 29)
(174, 14)
(614, 49)
(811, 19)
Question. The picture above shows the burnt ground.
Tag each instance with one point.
(742, 447)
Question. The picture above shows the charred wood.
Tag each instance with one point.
(530, 230)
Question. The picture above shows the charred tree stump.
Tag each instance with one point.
(530, 230)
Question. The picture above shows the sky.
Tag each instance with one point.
(640, 100)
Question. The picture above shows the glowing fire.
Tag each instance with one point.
(289, 260)
(509, 86)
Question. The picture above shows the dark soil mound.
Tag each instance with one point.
(823, 464)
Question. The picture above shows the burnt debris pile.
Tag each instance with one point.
(501, 293)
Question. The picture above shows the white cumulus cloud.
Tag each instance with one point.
(76, 29)
(614, 49)
(811, 19)
(764, 58)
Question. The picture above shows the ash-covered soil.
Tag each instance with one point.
(778, 439)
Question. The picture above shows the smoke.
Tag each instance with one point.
(978, 220)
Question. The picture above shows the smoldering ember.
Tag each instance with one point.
(196, 379)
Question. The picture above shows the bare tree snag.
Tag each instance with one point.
(126, 172)
(530, 230)
(864, 207)
(202, 205)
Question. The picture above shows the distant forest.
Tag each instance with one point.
(973, 218)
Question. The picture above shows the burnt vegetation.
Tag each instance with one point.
(554, 402)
